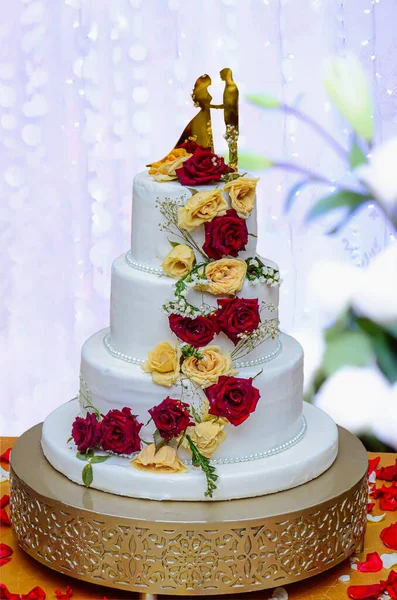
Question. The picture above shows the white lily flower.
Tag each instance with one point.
(380, 174)
(347, 86)
(375, 294)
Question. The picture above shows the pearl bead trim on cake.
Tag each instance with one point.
(141, 267)
(259, 455)
(261, 359)
(120, 355)
(241, 364)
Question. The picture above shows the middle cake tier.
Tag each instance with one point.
(110, 383)
(138, 322)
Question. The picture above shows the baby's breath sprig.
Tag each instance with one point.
(169, 210)
(249, 341)
(258, 272)
(179, 305)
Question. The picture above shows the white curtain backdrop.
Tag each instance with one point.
(91, 90)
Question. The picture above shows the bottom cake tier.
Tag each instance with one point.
(309, 455)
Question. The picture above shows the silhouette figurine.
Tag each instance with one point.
(230, 113)
(200, 128)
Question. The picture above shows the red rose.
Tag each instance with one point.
(197, 332)
(86, 432)
(171, 417)
(120, 431)
(202, 167)
(237, 315)
(191, 146)
(233, 398)
(225, 236)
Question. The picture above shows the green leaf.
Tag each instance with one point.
(87, 475)
(81, 456)
(253, 162)
(196, 415)
(356, 156)
(174, 244)
(193, 191)
(159, 442)
(90, 453)
(69, 440)
(342, 199)
(99, 459)
(263, 100)
(291, 196)
(350, 348)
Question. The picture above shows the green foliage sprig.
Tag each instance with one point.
(199, 460)
(91, 459)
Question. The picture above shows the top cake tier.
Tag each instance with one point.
(149, 244)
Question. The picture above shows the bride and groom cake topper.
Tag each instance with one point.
(200, 127)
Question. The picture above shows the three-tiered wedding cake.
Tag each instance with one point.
(192, 393)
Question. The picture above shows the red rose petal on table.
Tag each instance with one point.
(4, 500)
(372, 563)
(388, 535)
(35, 594)
(4, 518)
(388, 503)
(373, 463)
(5, 554)
(370, 506)
(6, 455)
(390, 585)
(64, 596)
(387, 473)
(364, 592)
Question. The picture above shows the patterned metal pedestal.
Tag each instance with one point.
(188, 548)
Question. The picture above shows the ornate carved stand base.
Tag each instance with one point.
(188, 548)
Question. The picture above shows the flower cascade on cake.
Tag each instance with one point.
(208, 397)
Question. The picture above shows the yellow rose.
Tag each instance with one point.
(179, 261)
(164, 460)
(242, 194)
(200, 208)
(207, 370)
(164, 363)
(224, 276)
(167, 171)
(207, 436)
(164, 169)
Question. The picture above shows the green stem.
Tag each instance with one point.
(199, 460)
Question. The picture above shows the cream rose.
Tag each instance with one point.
(179, 261)
(164, 363)
(207, 436)
(242, 194)
(224, 276)
(207, 370)
(164, 460)
(200, 208)
(165, 169)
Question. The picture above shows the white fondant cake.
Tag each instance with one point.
(301, 462)
(257, 446)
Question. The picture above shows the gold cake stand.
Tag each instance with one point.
(188, 548)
